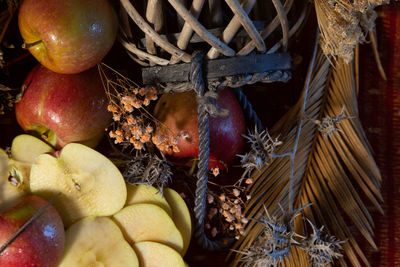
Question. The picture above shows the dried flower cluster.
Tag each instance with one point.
(226, 211)
(133, 124)
(147, 169)
(329, 125)
(344, 23)
(273, 245)
(262, 148)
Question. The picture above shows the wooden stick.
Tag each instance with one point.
(154, 15)
(152, 58)
(292, 31)
(253, 63)
(147, 29)
(241, 15)
(231, 29)
(200, 29)
(284, 22)
(187, 31)
(266, 32)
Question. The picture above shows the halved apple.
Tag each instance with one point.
(146, 194)
(27, 148)
(153, 254)
(180, 215)
(97, 242)
(149, 222)
(14, 181)
(91, 185)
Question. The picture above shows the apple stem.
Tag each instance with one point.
(34, 217)
(29, 45)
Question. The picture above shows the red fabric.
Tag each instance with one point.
(380, 114)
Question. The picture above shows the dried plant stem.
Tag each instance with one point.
(376, 55)
(301, 120)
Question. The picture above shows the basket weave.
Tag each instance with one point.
(230, 21)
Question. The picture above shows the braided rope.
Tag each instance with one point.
(247, 108)
(196, 77)
(206, 106)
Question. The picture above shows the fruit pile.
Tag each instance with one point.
(105, 218)
(99, 214)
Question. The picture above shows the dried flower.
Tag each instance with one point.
(215, 171)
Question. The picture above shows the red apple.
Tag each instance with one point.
(64, 108)
(40, 244)
(178, 116)
(68, 36)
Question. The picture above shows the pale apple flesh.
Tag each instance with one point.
(180, 215)
(146, 194)
(97, 241)
(91, 185)
(27, 148)
(153, 254)
(41, 244)
(14, 181)
(68, 36)
(148, 222)
(62, 108)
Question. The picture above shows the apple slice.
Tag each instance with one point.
(27, 148)
(146, 194)
(91, 185)
(180, 215)
(14, 181)
(149, 222)
(153, 254)
(97, 242)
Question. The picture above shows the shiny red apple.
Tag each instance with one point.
(178, 116)
(68, 36)
(41, 244)
(64, 108)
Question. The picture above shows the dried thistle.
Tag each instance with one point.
(329, 125)
(262, 148)
(273, 245)
(145, 168)
(321, 248)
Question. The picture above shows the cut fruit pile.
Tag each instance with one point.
(109, 222)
